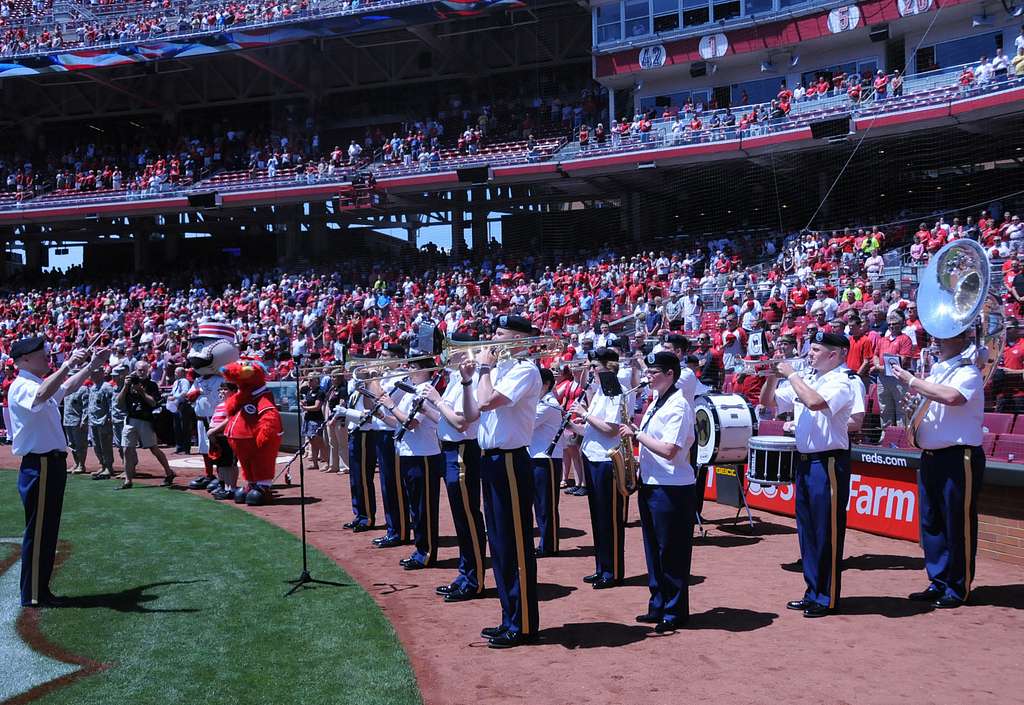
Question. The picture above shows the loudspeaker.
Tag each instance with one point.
(203, 200)
(831, 128)
(698, 69)
(879, 33)
(474, 175)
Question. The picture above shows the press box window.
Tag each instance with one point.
(726, 11)
(666, 15)
(609, 22)
(695, 12)
(638, 19)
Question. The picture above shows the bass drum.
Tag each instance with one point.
(725, 422)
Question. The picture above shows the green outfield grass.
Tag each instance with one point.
(184, 599)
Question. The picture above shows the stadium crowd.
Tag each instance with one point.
(729, 307)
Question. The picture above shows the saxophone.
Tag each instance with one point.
(624, 462)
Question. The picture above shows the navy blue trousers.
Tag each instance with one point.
(422, 476)
(462, 481)
(667, 516)
(41, 483)
(547, 475)
(822, 490)
(362, 460)
(507, 480)
(392, 489)
(607, 519)
(949, 484)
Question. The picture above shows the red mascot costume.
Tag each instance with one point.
(253, 429)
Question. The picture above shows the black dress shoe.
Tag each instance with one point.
(667, 625)
(649, 618)
(816, 610)
(592, 578)
(510, 640)
(492, 632)
(537, 553)
(460, 596)
(380, 539)
(168, 480)
(445, 590)
(360, 528)
(948, 602)
(930, 595)
(390, 542)
(124, 486)
(800, 605)
(349, 525)
(412, 564)
(604, 583)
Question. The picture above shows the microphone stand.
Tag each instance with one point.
(304, 579)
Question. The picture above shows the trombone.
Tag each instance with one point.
(541, 345)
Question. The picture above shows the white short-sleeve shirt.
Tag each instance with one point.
(819, 431)
(421, 440)
(672, 422)
(596, 445)
(35, 428)
(944, 426)
(547, 421)
(511, 426)
(453, 396)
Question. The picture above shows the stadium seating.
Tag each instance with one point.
(1008, 447)
(998, 423)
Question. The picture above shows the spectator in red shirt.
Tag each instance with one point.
(1008, 382)
(861, 356)
(890, 392)
(881, 85)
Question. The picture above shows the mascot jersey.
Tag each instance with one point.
(254, 423)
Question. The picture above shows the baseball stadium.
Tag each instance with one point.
(494, 351)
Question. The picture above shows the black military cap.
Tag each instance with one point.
(27, 345)
(513, 323)
(606, 355)
(663, 360)
(832, 340)
(467, 337)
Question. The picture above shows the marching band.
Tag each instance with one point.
(496, 433)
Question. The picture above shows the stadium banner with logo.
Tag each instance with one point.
(196, 44)
(883, 494)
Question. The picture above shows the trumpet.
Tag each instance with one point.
(763, 368)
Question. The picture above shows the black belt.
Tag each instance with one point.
(948, 449)
(495, 451)
(452, 445)
(824, 454)
(48, 454)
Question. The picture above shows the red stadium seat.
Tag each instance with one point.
(1018, 424)
(894, 437)
(998, 423)
(1008, 446)
(770, 427)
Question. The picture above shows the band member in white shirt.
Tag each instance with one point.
(548, 430)
(822, 404)
(600, 426)
(952, 467)
(458, 436)
(382, 439)
(506, 395)
(38, 439)
(420, 462)
(667, 494)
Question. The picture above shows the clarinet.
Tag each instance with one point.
(568, 418)
(417, 405)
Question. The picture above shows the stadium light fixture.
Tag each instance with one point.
(766, 66)
(794, 59)
(1013, 10)
(982, 20)
(647, 165)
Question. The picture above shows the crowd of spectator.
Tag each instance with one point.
(121, 22)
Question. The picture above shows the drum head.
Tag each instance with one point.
(772, 443)
(707, 434)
